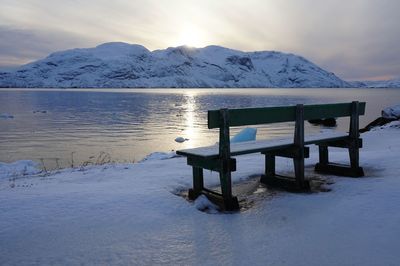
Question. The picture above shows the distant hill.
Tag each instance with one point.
(116, 65)
(393, 83)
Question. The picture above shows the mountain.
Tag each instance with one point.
(115, 65)
(393, 83)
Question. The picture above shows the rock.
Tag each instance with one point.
(381, 121)
(6, 116)
(389, 114)
(392, 112)
(328, 122)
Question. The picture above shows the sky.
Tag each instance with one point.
(355, 39)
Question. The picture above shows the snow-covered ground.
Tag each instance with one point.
(18, 169)
(128, 214)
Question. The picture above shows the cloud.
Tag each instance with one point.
(20, 46)
(356, 39)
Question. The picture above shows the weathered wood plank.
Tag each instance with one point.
(198, 181)
(331, 110)
(298, 161)
(339, 169)
(213, 164)
(261, 145)
(291, 152)
(354, 135)
(269, 165)
(267, 115)
(286, 183)
(323, 155)
(224, 154)
(343, 143)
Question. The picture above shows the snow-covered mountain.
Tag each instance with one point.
(128, 65)
(393, 83)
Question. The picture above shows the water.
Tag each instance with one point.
(61, 127)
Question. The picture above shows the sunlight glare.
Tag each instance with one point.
(191, 36)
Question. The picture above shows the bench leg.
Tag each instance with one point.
(299, 171)
(324, 166)
(224, 200)
(269, 165)
(354, 154)
(198, 183)
(297, 184)
(323, 155)
(354, 157)
(230, 203)
(226, 184)
(269, 173)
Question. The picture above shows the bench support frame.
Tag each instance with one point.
(353, 144)
(225, 176)
(225, 166)
(298, 152)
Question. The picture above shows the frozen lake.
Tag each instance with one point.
(58, 126)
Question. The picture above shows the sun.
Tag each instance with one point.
(191, 36)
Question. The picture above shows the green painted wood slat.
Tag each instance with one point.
(268, 115)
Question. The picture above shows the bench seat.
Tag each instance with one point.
(241, 148)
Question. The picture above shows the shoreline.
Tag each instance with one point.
(105, 158)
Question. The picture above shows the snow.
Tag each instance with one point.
(159, 156)
(18, 169)
(202, 203)
(121, 214)
(246, 134)
(115, 65)
(392, 83)
(392, 112)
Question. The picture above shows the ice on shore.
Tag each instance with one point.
(159, 156)
(18, 169)
(181, 139)
(246, 134)
(392, 112)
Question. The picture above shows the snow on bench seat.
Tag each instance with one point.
(260, 145)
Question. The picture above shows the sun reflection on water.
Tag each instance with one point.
(190, 131)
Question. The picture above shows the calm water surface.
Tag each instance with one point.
(54, 125)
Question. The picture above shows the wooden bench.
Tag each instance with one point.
(219, 157)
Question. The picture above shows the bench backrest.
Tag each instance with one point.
(268, 115)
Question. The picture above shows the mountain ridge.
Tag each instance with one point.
(123, 65)
(391, 83)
